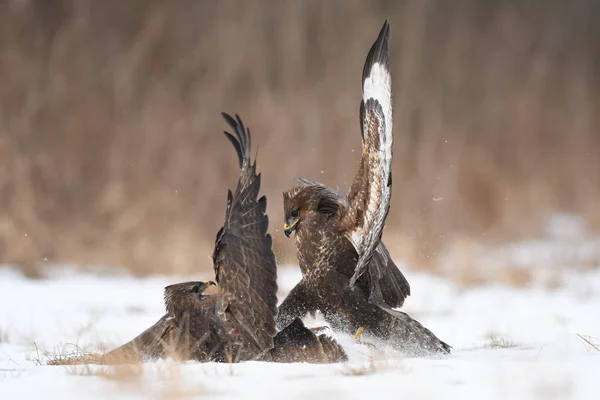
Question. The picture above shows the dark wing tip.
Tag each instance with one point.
(245, 132)
(361, 116)
(241, 141)
(379, 51)
(237, 146)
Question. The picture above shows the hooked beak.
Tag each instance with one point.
(206, 285)
(289, 228)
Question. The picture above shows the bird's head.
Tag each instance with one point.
(185, 296)
(303, 203)
(296, 205)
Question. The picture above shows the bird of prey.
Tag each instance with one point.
(347, 272)
(237, 323)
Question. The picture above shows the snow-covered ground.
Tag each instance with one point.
(508, 343)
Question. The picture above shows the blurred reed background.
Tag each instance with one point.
(111, 149)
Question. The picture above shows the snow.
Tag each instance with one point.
(540, 354)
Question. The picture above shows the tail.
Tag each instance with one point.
(394, 286)
(413, 338)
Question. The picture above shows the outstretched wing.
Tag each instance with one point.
(369, 196)
(244, 262)
(148, 345)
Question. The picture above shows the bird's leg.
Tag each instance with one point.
(358, 333)
(296, 305)
(229, 354)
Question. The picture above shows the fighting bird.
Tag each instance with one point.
(347, 272)
(237, 323)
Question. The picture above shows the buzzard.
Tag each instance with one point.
(237, 323)
(347, 272)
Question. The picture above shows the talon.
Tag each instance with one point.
(358, 333)
(318, 329)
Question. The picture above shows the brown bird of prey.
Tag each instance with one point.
(237, 323)
(347, 272)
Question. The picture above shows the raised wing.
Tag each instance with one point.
(244, 262)
(369, 196)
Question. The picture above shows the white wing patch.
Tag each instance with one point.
(378, 86)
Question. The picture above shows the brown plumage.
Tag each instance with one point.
(297, 343)
(347, 272)
(238, 323)
(189, 330)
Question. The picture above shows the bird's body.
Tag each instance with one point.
(189, 330)
(196, 333)
(332, 251)
(347, 272)
(322, 245)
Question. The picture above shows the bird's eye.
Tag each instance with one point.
(295, 214)
(196, 289)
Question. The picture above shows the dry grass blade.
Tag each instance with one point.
(75, 356)
(589, 342)
(74, 359)
(497, 342)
